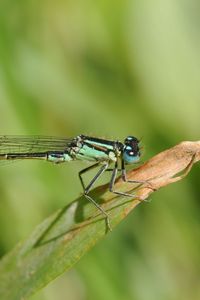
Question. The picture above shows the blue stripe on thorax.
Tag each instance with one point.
(91, 154)
(95, 149)
(107, 145)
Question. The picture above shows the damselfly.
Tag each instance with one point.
(100, 152)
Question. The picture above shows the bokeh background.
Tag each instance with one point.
(108, 69)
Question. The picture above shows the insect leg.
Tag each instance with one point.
(84, 171)
(112, 183)
(124, 176)
(90, 185)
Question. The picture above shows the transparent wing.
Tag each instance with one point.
(32, 144)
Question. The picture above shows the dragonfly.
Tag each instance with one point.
(101, 153)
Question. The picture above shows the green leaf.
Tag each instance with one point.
(63, 238)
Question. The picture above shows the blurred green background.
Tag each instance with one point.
(108, 69)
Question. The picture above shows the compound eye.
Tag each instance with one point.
(131, 150)
(129, 156)
(131, 140)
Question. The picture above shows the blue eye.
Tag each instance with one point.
(130, 158)
(131, 153)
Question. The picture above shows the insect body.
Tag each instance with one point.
(100, 152)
